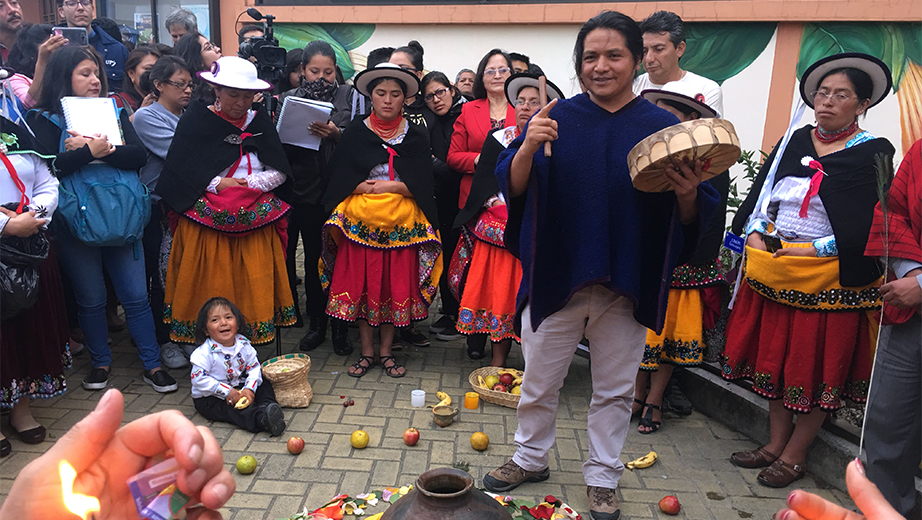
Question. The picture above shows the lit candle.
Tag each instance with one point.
(81, 505)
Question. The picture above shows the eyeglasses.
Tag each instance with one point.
(502, 72)
(180, 86)
(209, 46)
(436, 94)
(74, 3)
(822, 95)
(409, 68)
(531, 104)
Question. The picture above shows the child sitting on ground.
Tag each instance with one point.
(227, 383)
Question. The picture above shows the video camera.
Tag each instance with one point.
(269, 57)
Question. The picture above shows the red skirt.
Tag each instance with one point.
(376, 285)
(33, 344)
(805, 358)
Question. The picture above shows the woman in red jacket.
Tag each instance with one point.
(488, 112)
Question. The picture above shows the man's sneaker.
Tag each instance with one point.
(97, 379)
(510, 475)
(172, 356)
(449, 332)
(445, 322)
(675, 401)
(603, 504)
(413, 336)
(161, 381)
(188, 349)
(273, 420)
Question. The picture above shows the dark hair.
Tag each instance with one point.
(292, 64)
(109, 26)
(317, 47)
(24, 54)
(377, 81)
(135, 58)
(57, 83)
(686, 110)
(202, 321)
(480, 92)
(614, 21)
(245, 29)
(664, 22)
(436, 76)
(515, 56)
(415, 51)
(162, 48)
(861, 82)
(164, 69)
(533, 68)
(190, 50)
(379, 55)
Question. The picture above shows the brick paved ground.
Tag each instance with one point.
(693, 451)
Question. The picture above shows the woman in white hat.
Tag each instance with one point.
(229, 232)
(484, 276)
(697, 285)
(803, 322)
(381, 256)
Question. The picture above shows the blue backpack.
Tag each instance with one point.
(100, 204)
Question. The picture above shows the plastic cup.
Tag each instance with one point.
(418, 398)
(471, 400)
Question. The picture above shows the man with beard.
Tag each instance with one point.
(10, 25)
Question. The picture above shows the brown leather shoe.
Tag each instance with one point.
(757, 458)
(781, 474)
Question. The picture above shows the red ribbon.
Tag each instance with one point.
(23, 200)
(233, 168)
(814, 188)
(390, 161)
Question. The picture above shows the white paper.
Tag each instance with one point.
(298, 114)
(89, 116)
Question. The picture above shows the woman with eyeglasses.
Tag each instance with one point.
(483, 274)
(445, 101)
(199, 54)
(488, 112)
(155, 124)
(803, 325)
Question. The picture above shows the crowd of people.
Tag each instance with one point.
(516, 209)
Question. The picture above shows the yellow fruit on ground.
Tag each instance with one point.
(480, 441)
(359, 439)
(445, 398)
(491, 381)
(516, 390)
(246, 464)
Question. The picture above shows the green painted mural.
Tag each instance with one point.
(343, 38)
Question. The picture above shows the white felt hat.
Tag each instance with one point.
(517, 82)
(873, 67)
(234, 72)
(386, 70)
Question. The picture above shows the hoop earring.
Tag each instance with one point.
(217, 105)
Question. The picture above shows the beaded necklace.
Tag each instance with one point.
(239, 123)
(831, 137)
(386, 130)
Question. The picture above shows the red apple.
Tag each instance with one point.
(670, 505)
(295, 445)
(506, 379)
(411, 436)
(499, 387)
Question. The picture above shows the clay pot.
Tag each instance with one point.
(446, 494)
(444, 415)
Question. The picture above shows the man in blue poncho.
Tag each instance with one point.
(597, 254)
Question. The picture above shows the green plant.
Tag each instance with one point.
(751, 169)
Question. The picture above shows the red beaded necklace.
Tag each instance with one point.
(385, 129)
(239, 123)
(838, 135)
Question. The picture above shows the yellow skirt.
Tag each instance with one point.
(248, 270)
(682, 341)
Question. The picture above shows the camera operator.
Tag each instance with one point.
(262, 48)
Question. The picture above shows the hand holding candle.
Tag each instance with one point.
(104, 456)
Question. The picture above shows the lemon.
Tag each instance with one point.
(246, 464)
(480, 441)
(359, 439)
(491, 381)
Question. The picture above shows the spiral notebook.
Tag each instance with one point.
(297, 115)
(90, 116)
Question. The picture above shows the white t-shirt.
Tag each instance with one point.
(713, 96)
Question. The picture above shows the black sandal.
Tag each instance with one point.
(391, 369)
(638, 412)
(647, 419)
(360, 369)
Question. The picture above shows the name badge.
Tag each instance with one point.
(734, 243)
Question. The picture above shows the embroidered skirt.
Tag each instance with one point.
(33, 344)
(381, 260)
(791, 350)
(487, 277)
(247, 269)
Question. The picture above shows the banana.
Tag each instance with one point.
(643, 462)
(480, 382)
(445, 398)
(242, 403)
(511, 371)
(517, 381)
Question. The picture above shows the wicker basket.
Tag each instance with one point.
(288, 375)
(492, 396)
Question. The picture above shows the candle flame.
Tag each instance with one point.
(80, 505)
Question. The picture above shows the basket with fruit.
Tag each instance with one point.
(497, 385)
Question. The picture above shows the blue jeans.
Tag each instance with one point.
(125, 265)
